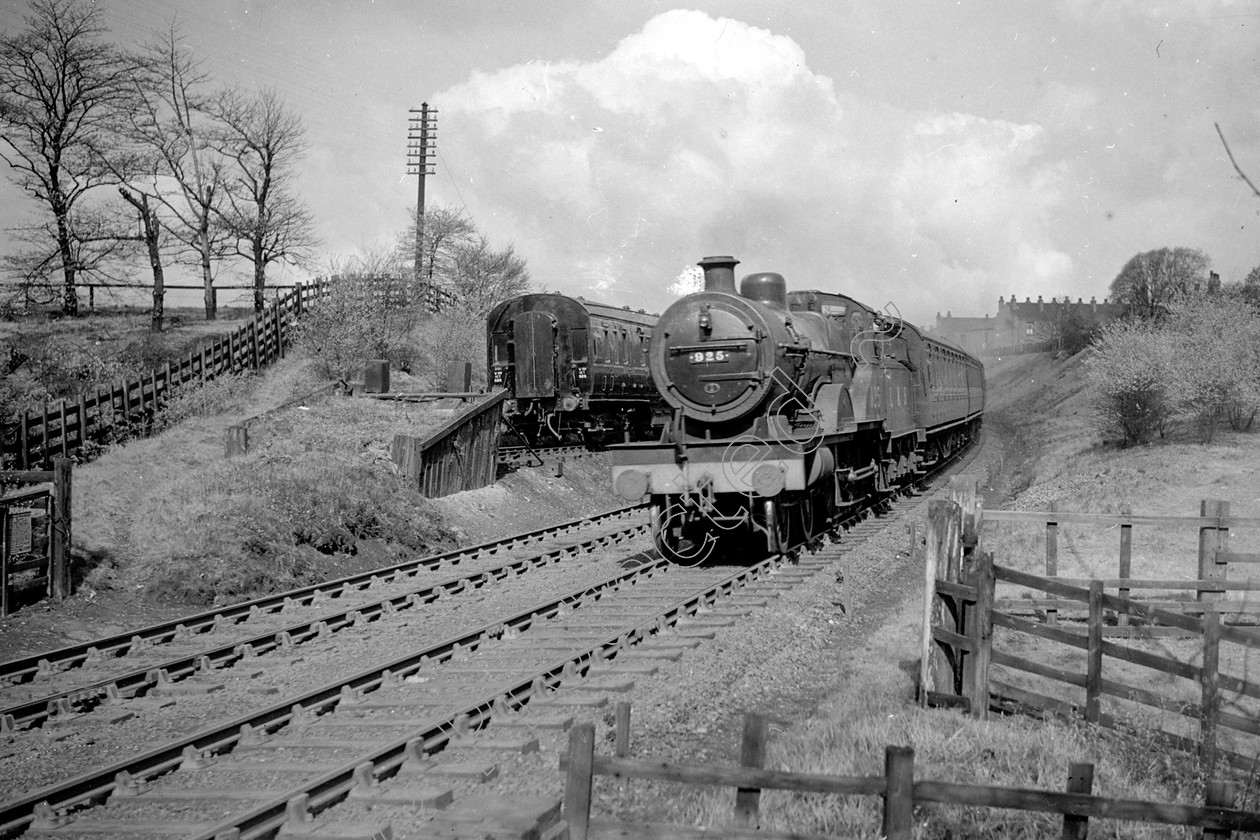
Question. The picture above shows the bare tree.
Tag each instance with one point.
(445, 230)
(61, 85)
(261, 213)
(1150, 281)
(150, 233)
(482, 276)
(186, 175)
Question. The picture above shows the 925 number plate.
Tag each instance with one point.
(701, 357)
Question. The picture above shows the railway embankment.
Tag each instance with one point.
(831, 661)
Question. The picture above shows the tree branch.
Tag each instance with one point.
(1237, 169)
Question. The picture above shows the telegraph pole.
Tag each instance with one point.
(420, 134)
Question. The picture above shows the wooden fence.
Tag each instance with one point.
(34, 534)
(970, 634)
(128, 407)
(463, 454)
(898, 788)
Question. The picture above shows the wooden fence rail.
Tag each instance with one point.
(35, 533)
(1213, 523)
(463, 454)
(962, 633)
(897, 787)
(126, 407)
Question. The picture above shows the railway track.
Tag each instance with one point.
(402, 748)
(536, 456)
(76, 679)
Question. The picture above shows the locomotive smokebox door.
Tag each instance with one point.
(535, 337)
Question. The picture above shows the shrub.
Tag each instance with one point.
(1129, 375)
(1216, 371)
(362, 317)
(262, 526)
(453, 335)
(206, 397)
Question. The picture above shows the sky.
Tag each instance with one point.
(926, 157)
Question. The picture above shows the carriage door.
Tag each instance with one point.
(535, 336)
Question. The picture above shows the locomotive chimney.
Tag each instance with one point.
(719, 274)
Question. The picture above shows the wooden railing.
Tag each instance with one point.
(898, 788)
(969, 630)
(34, 534)
(463, 454)
(128, 407)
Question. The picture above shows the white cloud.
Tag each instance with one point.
(699, 135)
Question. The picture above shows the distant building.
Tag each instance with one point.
(1026, 326)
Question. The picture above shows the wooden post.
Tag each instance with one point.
(1052, 560)
(82, 413)
(752, 753)
(966, 492)
(237, 440)
(65, 432)
(1126, 561)
(980, 631)
(1210, 702)
(4, 561)
(279, 334)
(943, 541)
(59, 570)
(927, 680)
(621, 747)
(1219, 795)
(1080, 780)
(1093, 676)
(577, 786)
(899, 793)
(1212, 539)
(24, 449)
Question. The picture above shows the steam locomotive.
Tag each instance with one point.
(786, 411)
(576, 371)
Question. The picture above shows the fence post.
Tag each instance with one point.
(1052, 560)
(59, 566)
(1219, 795)
(24, 448)
(1080, 780)
(4, 561)
(1093, 676)
(898, 793)
(1126, 561)
(621, 746)
(1212, 538)
(1210, 701)
(577, 785)
(942, 533)
(752, 753)
(966, 492)
(980, 630)
(81, 408)
(237, 441)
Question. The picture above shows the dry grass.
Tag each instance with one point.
(171, 517)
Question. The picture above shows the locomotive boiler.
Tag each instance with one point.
(786, 410)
